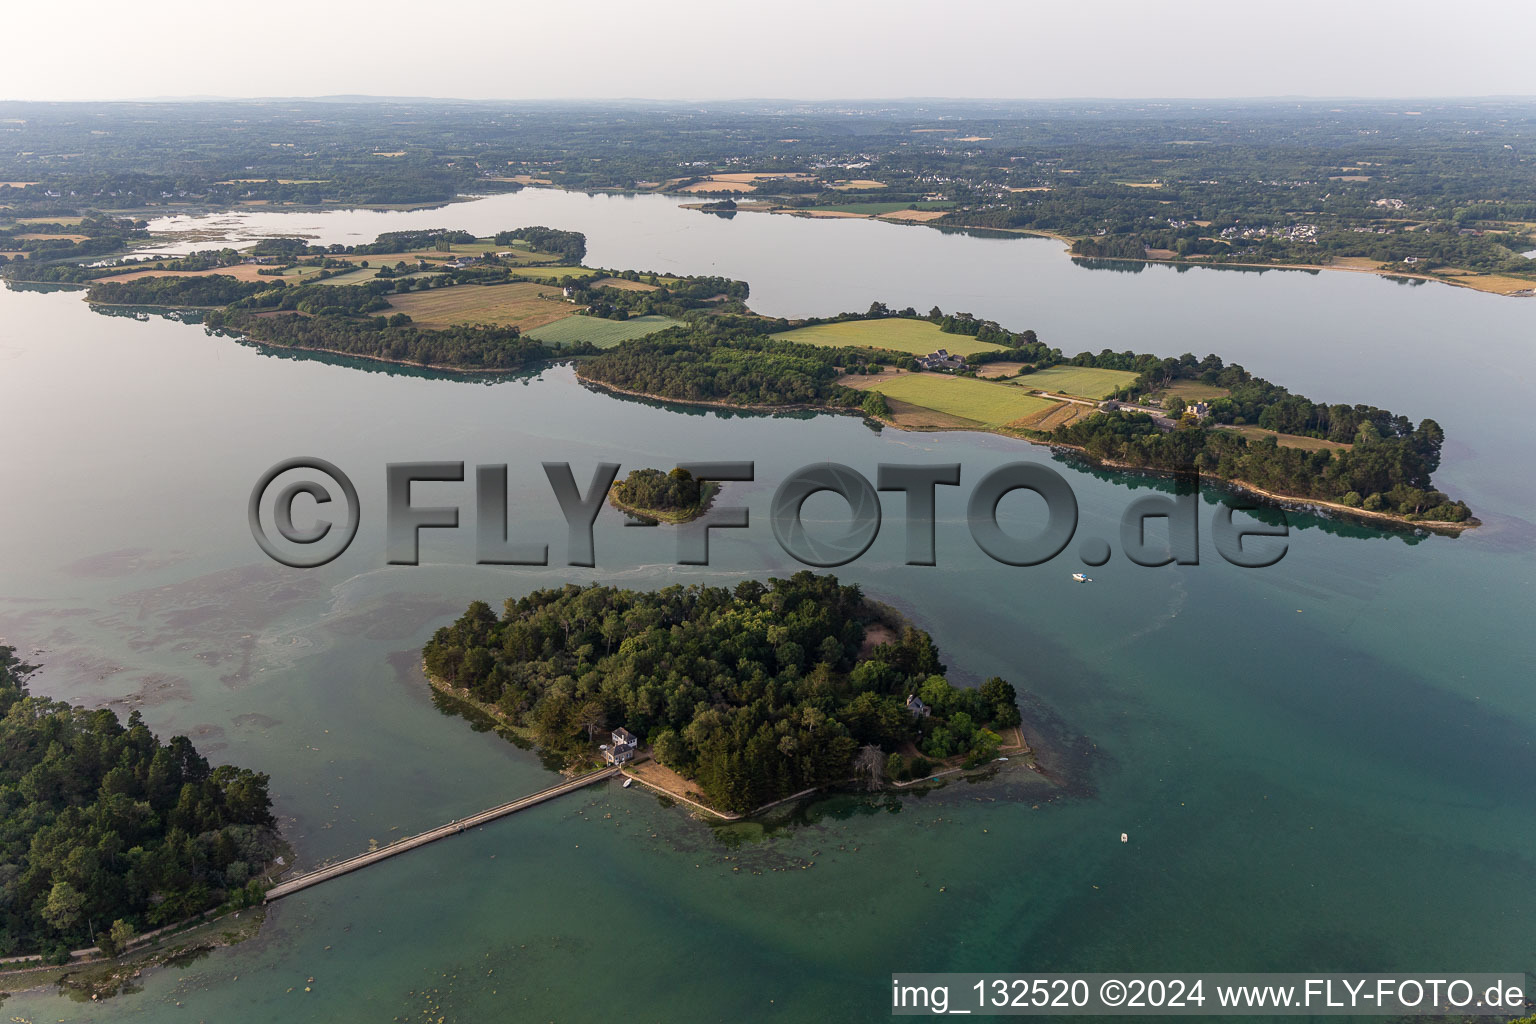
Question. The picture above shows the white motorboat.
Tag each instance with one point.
(1081, 578)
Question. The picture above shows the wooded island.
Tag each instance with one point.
(753, 693)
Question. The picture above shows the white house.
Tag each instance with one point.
(623, 747)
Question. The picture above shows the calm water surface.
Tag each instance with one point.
(1323, 765)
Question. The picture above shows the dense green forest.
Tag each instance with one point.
(1386, 468)
(477, 347)
(657, 491)
(1385, 473)
(724, 360)
(106, 832)
(209, 290)
(570, 246)
(755, 693)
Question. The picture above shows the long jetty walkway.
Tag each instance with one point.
(363, 860)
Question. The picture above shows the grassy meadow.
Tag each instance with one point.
(991, 405)
(1193, 391)
(623, 284)
(554, 273)
(600, 332)
(1078, 381)
(520, 304)
(914, 337)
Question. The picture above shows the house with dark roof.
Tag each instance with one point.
(623, 747)
(941, 360)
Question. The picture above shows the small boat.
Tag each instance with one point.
(628, 783)
(1081, 578)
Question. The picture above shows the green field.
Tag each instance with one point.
(989, 404)
(298, 275)
(369, 273)
(522, 304)
(600, 332)
(1193, 391)
(547, 273)
(916, 337)
(876, 209)
(1081, 381)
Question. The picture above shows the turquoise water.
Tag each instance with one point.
(1322, 765)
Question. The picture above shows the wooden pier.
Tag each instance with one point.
(363, 860)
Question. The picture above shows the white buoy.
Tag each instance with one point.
(1124, 838)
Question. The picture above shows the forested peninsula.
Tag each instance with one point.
(753, 693)
(1234, 426)
(105, 832)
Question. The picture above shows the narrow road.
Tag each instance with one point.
(363, 860)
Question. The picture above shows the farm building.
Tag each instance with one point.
(940, 360)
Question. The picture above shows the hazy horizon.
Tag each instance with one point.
(800, 51)
(800, 100)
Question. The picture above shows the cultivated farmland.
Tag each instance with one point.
(913, 215)
(624, 284)
(915, 337)
(521, 304)
(602, 333)
(240, 272)
(987, 404)
(1080, 381)
(1193, 391)
(549, 273)
(1064, 414)
(365, 274)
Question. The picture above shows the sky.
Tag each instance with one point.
(792, 49)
